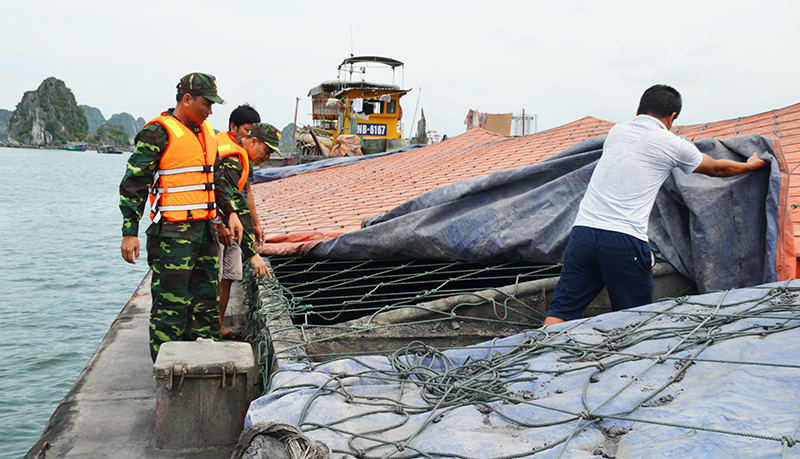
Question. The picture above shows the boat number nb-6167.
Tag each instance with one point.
(371, 129)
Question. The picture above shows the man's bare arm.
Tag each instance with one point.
(728, 168)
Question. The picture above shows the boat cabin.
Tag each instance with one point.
(352, 105)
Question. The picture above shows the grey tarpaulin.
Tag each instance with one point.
(711, 377)
(720, 232)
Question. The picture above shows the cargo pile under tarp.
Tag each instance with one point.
(710, 375)
(722, 233)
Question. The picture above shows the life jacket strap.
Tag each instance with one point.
(178, 189)
(207, 169)
(188, 207)
(158, 191)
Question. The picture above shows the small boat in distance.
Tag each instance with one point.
(109, 149)
(77, 146)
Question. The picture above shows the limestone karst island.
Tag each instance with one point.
(50, 117)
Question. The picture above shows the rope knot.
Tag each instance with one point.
(788, 441)
(401, 446)
(398, 409)
(589, 415)
(600, 366)
(661, 359)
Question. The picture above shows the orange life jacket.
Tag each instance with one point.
(228, 147)
(183, 185)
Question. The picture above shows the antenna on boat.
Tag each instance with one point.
(414, 118)
(351, 50)
(351, 39)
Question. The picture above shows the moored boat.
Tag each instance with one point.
(351, 105)
(109, 149)
(76, 146)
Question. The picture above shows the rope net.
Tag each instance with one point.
(547, 392)
(316, 308)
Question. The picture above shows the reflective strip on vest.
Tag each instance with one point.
(184, 170)
(208, 206)
(178, 189)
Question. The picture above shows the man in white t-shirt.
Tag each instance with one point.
(608, 246)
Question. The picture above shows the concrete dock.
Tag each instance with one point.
(111, 409)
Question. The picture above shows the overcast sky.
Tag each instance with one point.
(561, 60)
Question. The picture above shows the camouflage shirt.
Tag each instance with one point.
(231, 173)
(151, 142)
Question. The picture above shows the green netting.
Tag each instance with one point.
(328, 291)
(310, 304)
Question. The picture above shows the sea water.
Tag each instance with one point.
(62, 279)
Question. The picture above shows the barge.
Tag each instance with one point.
(112, 408)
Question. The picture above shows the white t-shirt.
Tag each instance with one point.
(637, 158)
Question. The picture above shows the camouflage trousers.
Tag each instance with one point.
(184, 258)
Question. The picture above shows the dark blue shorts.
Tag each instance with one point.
(598, 258)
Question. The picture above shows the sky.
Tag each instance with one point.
(560, 60)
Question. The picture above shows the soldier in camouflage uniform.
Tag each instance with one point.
(240, 122)
(259, 143)
(183, 255)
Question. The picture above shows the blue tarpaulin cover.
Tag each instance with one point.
(720, 232)
(711, 376)
(277, 173)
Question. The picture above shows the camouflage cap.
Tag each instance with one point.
(200, 84)
(266, 133)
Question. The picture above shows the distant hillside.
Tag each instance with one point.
(286, 138)
(48, 116)
(110, 134)
(129, 124)
(94, 117)
(5, 116)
